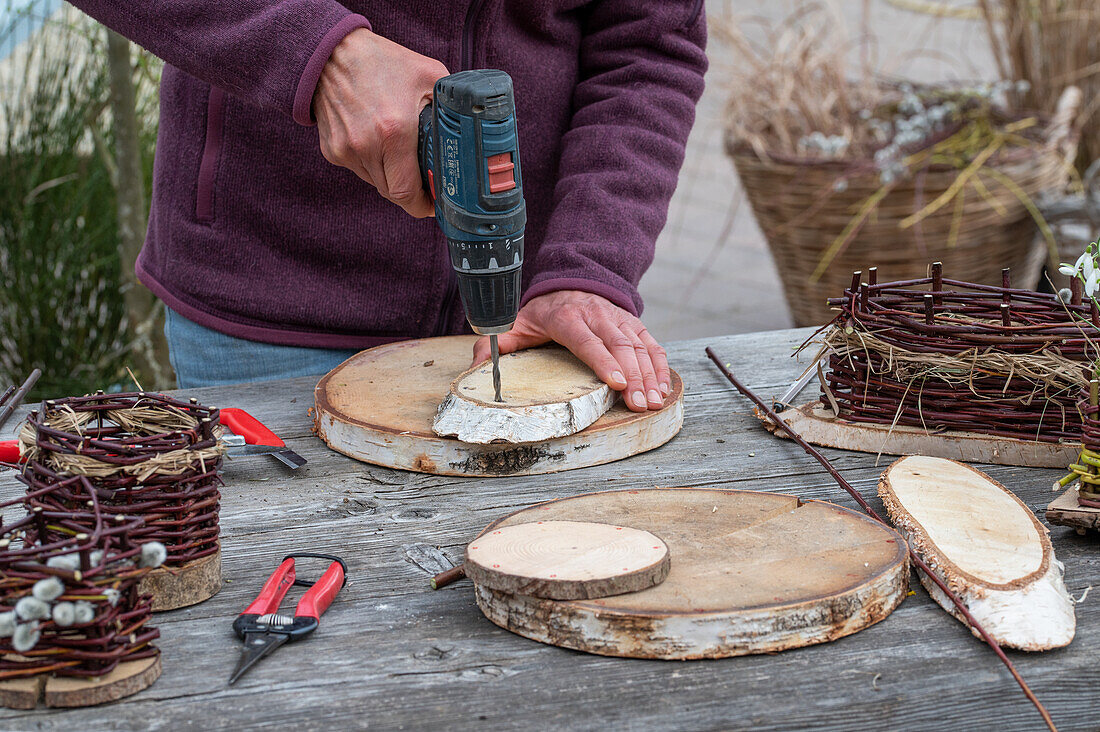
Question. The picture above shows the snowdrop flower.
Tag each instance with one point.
(112, 595)
(153, 554)
(1092, 283)
(7, 624)
(49, 589)
(84, 611)
(70, 562)
(1068, 270)
(64, 613)
(1080, 263)
(31, 608)
(25, 637)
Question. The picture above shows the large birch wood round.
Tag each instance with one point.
(378, 407)
(986, 545)
(751, 572)
(567, 560)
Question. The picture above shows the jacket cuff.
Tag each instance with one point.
(628, 303)
(307, 83)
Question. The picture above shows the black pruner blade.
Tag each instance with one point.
(256, 646)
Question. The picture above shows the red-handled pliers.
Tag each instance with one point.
(263, 629)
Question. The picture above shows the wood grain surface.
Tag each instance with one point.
(753, 572)
(378, 407)
(390, 653)
(985, 544)
(567, 560)
(176, 587)
(818, 426)
(1066, 511)
(546, 393)
(61, 691)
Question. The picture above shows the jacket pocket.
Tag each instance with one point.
(211, 151)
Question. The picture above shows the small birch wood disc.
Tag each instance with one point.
(62, 691)
(989, 548)
(378, 407)
(818, 426)
(1066, 511)
(189, 584)
(547, 392)
(751, 572)
(567, 560)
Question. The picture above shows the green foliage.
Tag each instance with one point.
(61, 308)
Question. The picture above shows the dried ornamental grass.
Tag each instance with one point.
(843, 171)
(149, 456)
(69, 602)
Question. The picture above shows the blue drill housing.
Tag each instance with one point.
(470, 162)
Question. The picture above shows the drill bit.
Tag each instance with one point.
(495, 349)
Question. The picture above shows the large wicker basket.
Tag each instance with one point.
(802, 212)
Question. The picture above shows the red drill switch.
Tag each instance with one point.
(501, 177)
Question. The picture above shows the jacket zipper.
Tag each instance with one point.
(468, 31)
(468, 37)
(211, 151)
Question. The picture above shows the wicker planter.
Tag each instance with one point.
(802, 212)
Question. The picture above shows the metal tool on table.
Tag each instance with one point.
(243, 435)
(263, 629)
(14, 397)
(469, 162)
(246, 435)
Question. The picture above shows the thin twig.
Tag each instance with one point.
(914, 558)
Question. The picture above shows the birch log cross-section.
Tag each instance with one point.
(547, 392)
(567, 560)
(378, 406)
(981, 540)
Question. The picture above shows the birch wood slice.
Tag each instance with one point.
(378, 407)
(189, 584)
(1066, 511)
(817, 426)
(985, 544)
(547, 393)
(567, 560)
(60, 691)
(751, 572)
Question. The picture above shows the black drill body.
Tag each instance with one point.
(470, 164)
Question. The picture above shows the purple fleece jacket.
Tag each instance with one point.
(253, 233)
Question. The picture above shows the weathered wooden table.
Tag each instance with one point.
(391, 653)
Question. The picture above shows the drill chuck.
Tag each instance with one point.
(469, 160)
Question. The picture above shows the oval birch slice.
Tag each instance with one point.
(567, 560)
(985, 544)
(378, 407)
(547, 392)
(752, 572)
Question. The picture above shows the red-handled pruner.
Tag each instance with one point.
(246, 435)
(263, 629)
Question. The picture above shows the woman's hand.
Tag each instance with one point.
(367, 106)
(607, 338)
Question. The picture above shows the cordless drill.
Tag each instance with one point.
(469, 161)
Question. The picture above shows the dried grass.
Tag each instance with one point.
(1052, 44)
(797, 81)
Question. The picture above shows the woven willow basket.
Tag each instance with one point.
(802, 213)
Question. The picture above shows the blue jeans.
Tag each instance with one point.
(205, 357)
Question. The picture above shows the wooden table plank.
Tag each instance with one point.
(392, 653)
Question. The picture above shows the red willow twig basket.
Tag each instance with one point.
(945, 354)
(70, 603)
(148, 456)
